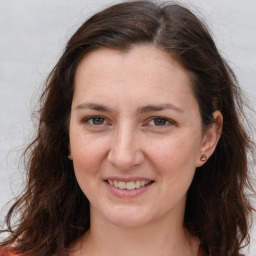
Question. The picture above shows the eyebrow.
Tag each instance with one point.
(142, 110)
(153, 108)
(93, 106)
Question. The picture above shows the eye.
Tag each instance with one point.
(96, 120)
(160, 121)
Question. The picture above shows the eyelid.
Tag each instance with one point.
(87, 119)
(170, 121)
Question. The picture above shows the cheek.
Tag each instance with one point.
(86, 168)
(175, 163)
(88, 156)
(175, 155)
(85, 149)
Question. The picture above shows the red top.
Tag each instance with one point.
(9, 252)
(201, 252)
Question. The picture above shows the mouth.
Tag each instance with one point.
(130, 185)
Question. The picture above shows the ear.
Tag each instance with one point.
(70, 156)
(210, 138)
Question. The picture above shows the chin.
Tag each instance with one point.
(126, 218)
(128, 222)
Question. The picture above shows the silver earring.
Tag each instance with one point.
(70, 156)
(203, 158)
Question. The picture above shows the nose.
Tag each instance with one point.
(125, 152)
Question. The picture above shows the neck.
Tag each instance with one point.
(163, 237)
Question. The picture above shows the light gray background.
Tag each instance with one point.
(32, 36)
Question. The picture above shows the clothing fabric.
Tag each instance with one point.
(9, 252)
(201, 252)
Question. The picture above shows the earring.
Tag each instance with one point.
(70, 157)
(203, 158)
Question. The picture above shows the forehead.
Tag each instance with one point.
(143, 72)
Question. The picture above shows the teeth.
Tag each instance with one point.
(142, 183)
(128, 185)
(122, 185)
(137, 184)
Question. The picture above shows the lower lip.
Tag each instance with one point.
(126, 192)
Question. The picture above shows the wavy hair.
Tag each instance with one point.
(53, 211)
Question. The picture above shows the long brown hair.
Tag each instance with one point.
(53, 212)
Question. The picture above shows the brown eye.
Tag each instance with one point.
(97, 120)
(160, 121)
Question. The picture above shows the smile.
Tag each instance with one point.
(128, 185)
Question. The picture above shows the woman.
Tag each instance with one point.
(141, 147)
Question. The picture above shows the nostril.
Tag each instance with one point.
(125, 159)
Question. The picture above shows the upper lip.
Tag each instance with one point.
(127, 179)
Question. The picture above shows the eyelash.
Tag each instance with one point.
(92, 118)
(167, 122)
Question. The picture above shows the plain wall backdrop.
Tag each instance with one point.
(33, 35)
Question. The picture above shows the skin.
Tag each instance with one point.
(115, 132)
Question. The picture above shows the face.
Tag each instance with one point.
(135, 135)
